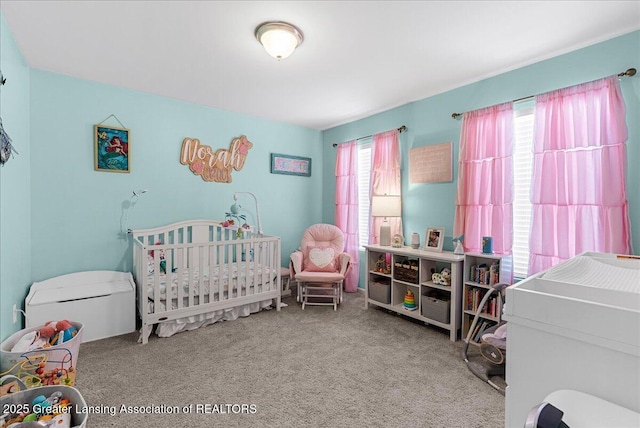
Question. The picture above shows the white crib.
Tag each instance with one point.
(194, 273)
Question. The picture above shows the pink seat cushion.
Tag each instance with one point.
(319, 276)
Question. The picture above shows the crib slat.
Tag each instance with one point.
(240, 289)
(255, 267)
(231, 287)
(263, 264)
(190, 262)
(157, 297)
(244, 272)
(222, 271)
(247, 268)
(266, 276)
(201, 272)
(210, 273)
(178, 275)
(268, 270)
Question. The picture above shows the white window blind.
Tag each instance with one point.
(522, 168)
(364, 177)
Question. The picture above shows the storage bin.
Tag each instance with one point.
(380, 292)
(435, 309)
(406, 270)
(22, 401)
(55, 365)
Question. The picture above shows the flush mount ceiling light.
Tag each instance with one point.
(279, 39)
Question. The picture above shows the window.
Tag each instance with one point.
(522, 170)
(364, 176)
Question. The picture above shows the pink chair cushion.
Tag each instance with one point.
(320, 259)
(319, 277)
(323, 235)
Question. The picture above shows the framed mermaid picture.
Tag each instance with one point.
(111, 148)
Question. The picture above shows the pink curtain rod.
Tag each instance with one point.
(630, 72)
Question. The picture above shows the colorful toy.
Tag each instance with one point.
(161, 256)
(53, 364)
(58, 332)
(409, 301)
(442, 278)
(49, 411)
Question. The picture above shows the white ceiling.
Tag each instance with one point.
(358, 57)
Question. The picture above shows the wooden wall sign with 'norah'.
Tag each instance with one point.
(215, 166)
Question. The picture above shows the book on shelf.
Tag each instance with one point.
(473, 298)
(494, 273)
(485, 275)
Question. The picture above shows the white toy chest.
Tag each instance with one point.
(103, 301)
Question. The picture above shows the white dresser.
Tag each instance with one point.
(574, 327)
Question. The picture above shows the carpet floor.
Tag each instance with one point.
(317, 368)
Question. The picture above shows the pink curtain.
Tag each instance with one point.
(346, 215)
(385, 179)
(484, 201)
(579, 192)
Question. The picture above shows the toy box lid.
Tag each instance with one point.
(81, 285)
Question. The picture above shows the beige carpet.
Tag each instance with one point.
(293, 368)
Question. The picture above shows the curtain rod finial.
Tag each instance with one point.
(630, 72)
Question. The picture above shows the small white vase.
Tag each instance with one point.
(415, 241)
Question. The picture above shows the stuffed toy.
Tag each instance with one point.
(163, 261)
(442, 278)
(57, 332)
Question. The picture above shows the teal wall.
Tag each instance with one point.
(15, 183)
(83, 214)
(429, 122)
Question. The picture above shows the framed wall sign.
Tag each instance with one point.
(431, 164)
(111, 149)
(290, 165)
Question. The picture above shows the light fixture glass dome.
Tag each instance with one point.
(279, 39)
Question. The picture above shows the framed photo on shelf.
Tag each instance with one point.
(290, 165)
(111, 149)
(434, 239)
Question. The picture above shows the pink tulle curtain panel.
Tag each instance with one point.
(484, 200)
(579, 194)
(346, 214)
(385, 179)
